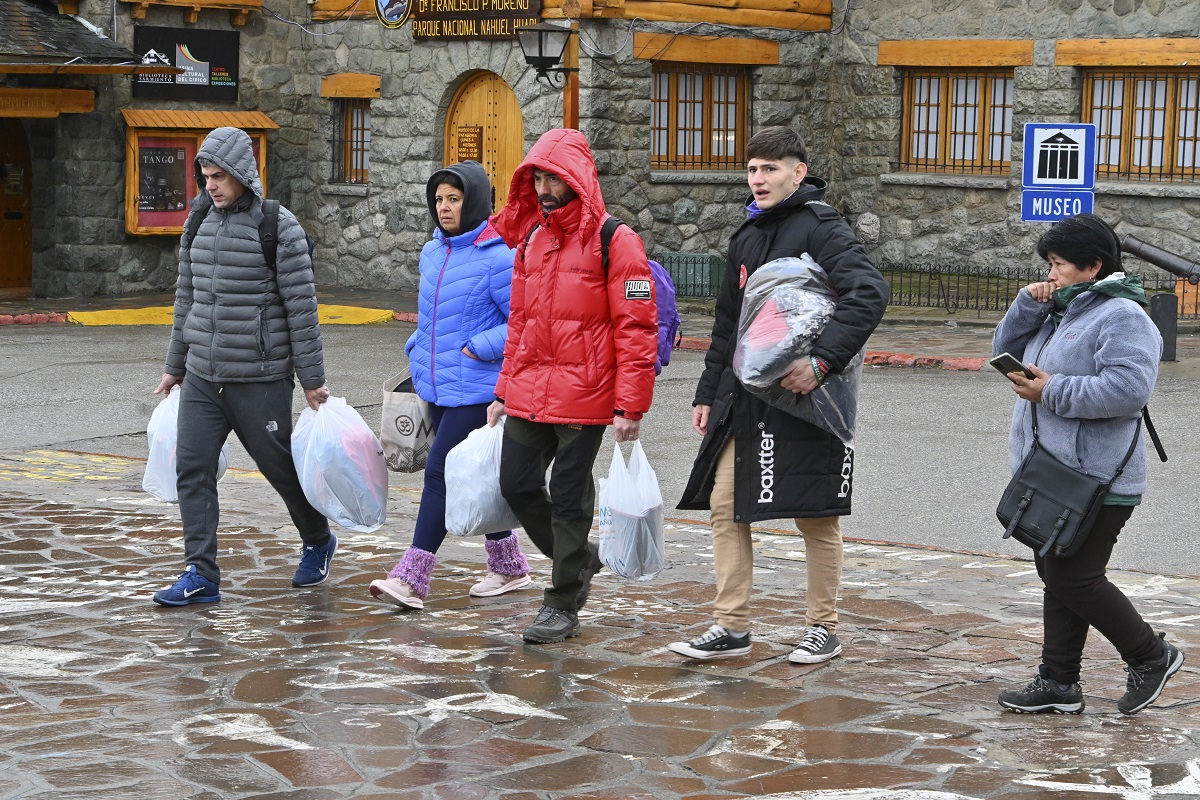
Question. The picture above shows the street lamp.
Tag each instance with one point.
(543, 46)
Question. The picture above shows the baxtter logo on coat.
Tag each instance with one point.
(637, 290)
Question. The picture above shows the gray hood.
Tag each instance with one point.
(232, 150)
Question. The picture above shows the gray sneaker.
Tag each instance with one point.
(552, 625)
(818, 645)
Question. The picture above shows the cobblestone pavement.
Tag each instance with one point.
(324, 693)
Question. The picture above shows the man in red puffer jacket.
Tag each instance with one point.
(580, 356)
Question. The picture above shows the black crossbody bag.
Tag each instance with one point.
(1050, 506)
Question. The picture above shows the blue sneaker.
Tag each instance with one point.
(314, 563)
(192, 587)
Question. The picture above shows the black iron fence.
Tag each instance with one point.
(956, 289)
(694, 274)
(927, 285)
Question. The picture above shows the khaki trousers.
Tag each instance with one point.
(733, 558)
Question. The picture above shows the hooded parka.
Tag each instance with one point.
(462, 299)
(236, 320)
(581, 344)
(785, 467)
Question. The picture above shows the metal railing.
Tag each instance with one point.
(961, 288)
(694, 274)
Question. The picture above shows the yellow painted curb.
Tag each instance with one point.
(158, 315)
(352, 315)
(163, 315)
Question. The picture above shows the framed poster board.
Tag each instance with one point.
(160, 180)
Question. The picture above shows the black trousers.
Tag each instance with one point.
(261, 416)
(1078, 595)
(558, 524)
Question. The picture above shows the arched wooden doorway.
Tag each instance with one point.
(16, 207)
(484, 124)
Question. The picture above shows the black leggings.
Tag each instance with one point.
(1078, 594)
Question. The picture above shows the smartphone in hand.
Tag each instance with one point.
(1006, 363)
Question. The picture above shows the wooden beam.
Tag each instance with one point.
(795, 6)
(45, 103)
(89, 69)
(815, 17)
(350, 84)
(1127, 52)
(956, 53)
(239, 9)
(571, 83)
(325, 10)
(67, 6)
(704, 49)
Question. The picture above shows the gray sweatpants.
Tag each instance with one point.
(261, 416)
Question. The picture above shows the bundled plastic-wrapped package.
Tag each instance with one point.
(341, 466)
(786, 306)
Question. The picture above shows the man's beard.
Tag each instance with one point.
(549, 202)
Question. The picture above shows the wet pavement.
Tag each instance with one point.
(325, 693)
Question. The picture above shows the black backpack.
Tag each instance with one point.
(268, 230)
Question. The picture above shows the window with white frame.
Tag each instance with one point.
(351, 140)
(957, 120)
(699, 116)
(1147, 123)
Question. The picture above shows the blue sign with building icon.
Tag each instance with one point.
(1058, 175)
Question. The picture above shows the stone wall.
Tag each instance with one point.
(826, 86)
(976, 221)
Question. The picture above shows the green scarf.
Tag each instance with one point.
(1117, 284)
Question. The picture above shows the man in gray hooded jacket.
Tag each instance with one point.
(241, 331)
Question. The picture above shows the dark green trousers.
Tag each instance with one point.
(557, 523)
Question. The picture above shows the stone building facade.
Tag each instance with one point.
(829, 85)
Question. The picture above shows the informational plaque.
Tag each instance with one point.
(470, 143)
(472, 19)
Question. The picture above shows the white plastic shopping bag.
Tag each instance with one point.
(162, 433)
(631, 517)
(340, 463)
(473, 483)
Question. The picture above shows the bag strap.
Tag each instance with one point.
(268, 232)
(606, 233)
(1128, 454)
(1158, 445)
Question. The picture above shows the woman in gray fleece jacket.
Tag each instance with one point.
(1094, 353)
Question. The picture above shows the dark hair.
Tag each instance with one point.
(1083, 240)
(775, 144)
(446, 176)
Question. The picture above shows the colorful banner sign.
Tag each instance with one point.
(209, 60)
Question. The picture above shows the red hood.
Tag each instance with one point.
(564, 152)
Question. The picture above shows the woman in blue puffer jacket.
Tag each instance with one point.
(454, 356)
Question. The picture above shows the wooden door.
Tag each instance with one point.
(16, 207)
(484, 124)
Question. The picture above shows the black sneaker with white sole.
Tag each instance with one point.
(1147, 679)
(1044, 696)
(714, 643)
(819, 644)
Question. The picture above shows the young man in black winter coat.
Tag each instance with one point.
(758, 462)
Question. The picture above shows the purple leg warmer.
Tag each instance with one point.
(414, 569)
(504, 556)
